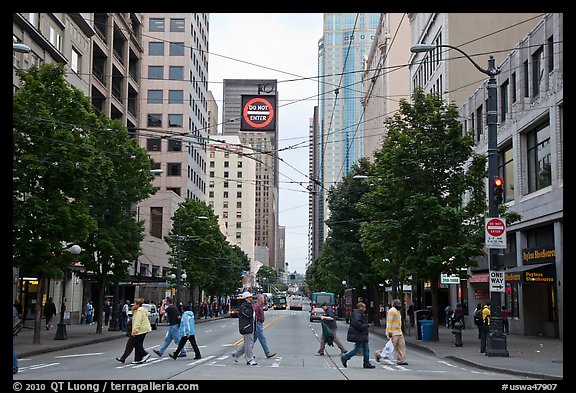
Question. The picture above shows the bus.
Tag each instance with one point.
(235, 301)
(323, 297)
(296, 302)
(279, 301)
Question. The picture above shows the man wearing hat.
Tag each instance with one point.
(247, 328)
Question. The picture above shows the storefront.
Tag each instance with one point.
(531, 297)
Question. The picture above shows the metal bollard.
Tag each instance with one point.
(457, 332)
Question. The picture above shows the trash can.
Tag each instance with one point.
(420, 315)
(427, 329)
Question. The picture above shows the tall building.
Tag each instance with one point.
(265, 148)
(385, 78)
(346, 41)
(232, 191)
(174, 125)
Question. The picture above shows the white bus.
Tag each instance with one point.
(296, 302)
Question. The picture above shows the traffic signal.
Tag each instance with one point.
(498, 190)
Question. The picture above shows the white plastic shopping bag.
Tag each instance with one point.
(388, 351)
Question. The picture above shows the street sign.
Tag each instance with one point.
(497, 283)
(258, 113)
(495, 232)
(449, 279)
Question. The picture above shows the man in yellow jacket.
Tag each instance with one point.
(140, 326)
(394, 331)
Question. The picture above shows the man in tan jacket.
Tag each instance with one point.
(140, 326)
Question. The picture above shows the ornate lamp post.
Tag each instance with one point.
(61, 333)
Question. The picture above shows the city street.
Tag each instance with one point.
(289, 333)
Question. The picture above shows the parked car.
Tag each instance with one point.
(316, 314)
(153, 315)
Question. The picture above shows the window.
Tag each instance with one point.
(550, 47)
(155, 96)
(177, 25)
(176, 49)
(225, 204)
(504, 100)
(175, 120)
(239, 174)
(238, 225)
(175, 96)
(537, 70)
(156, 48)
(226, 174)
(212, 164)
(156, 222)
(224, 214)
(210, 194)
(56, 39)
(174, 144)
(479, 124)
(154, 120)
(513, 87)
(238, 194)
(176, 73)
(539, 157)
(238, 235)
(225, 184)
(225, 194)
(156, 24)
(155, 72)
(176, 190)
(526, 80)
(154, 144)
(506, 172)
(239, 205)
(239, 164)
(174, 169)
(211, 173)
(226, 164)
(75, 61)
(156, 165)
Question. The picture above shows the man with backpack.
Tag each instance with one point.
(478, 319)
(485, 327)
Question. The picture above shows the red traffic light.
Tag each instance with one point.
(498, 190)
(498, 182)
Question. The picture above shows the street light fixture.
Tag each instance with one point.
(497, 340)
(19, 47)
(179, 275)
(61, 333)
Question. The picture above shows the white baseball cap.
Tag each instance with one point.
(246, 295)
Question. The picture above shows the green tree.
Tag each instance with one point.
(123, 179)
(210, 261)
(427, 210)
(52, 161)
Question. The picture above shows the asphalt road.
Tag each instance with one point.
(289, 333)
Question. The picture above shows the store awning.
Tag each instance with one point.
(525, 268)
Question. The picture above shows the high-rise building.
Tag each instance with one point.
(346, 41)
(265, 153)
(174, 123)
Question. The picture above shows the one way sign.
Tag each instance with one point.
(497, 281)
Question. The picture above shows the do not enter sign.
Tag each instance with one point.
(258, 113)
(495, 232)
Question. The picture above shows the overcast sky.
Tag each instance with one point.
(279, 46)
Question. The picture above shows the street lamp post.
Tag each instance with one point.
(496, 345)
(179, 275)
(61, 333)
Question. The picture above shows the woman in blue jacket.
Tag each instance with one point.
(187, 333)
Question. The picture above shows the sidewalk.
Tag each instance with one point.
(537, 357)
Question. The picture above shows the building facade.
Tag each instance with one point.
(530, 160)
(346, 40)
(265, 148)
(232, 191)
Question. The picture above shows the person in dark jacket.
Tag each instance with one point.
(49, 312)
(329, 319)
(358, 334)
(247, 328)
